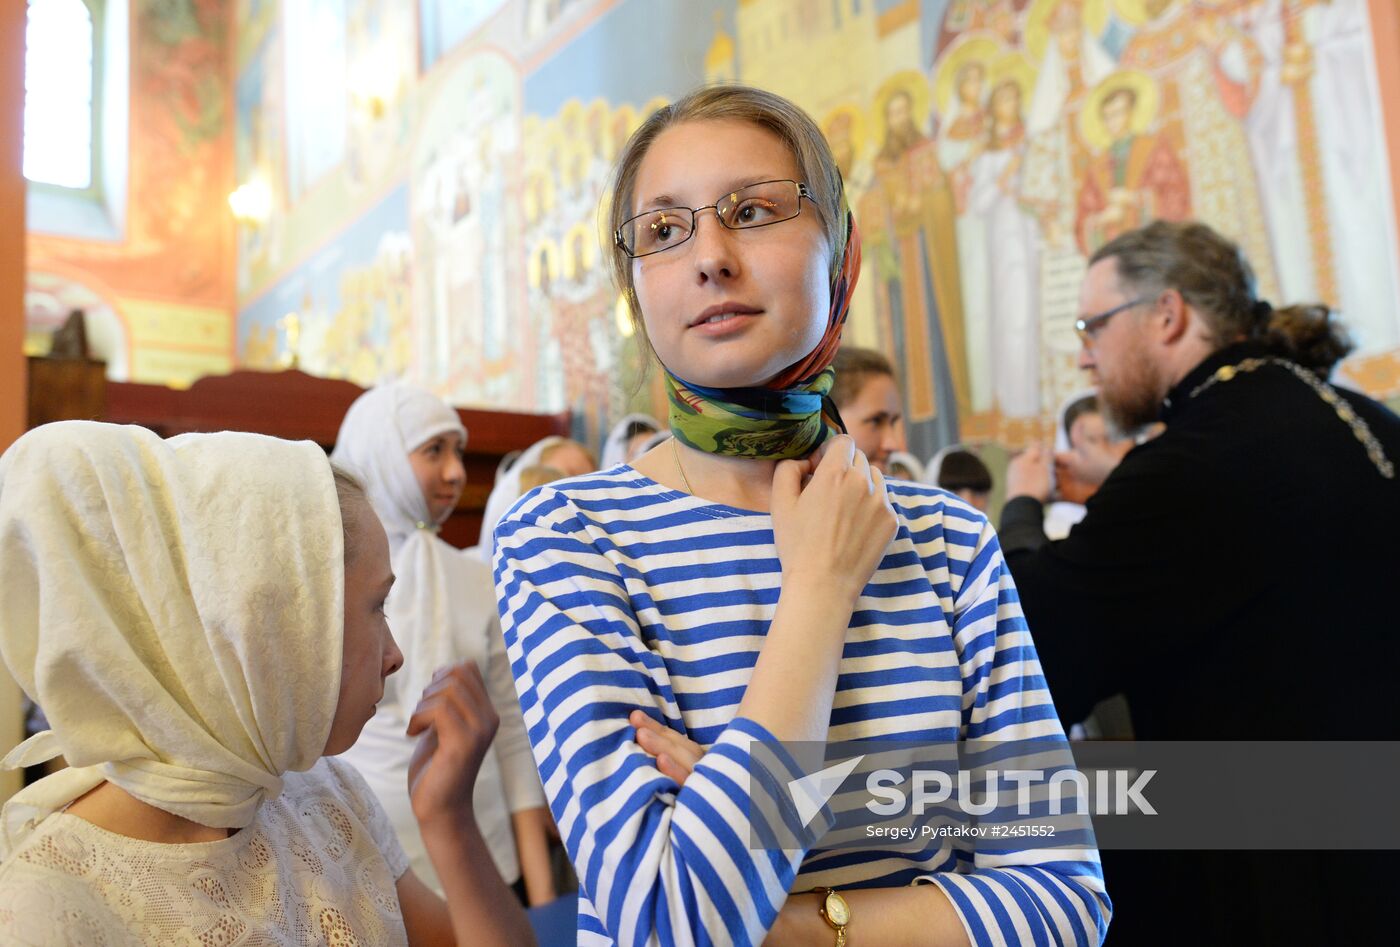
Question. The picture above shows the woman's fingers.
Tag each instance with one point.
(675, 754)
(461, 689)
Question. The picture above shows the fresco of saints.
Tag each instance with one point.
(1136, 177)
(909, 227)
(960, 92)
(1195, 57)
(1012, 241)
(1062, 40)
(1317, 145)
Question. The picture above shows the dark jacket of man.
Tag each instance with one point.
(1236, 578)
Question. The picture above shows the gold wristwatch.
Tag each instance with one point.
(836, 912)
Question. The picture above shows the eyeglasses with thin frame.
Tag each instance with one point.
(745, 208)
(1090, 326)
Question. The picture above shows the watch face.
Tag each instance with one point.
(837, 910)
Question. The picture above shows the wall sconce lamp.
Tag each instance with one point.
(252, 203)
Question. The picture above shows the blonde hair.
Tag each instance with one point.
(538, 475)
(854, 367)
(734, 103)
(350, 494)
(559, 445)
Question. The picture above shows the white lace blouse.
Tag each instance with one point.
(318, 865)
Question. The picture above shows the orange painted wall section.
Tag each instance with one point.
(12, 365)
(1385, 34)
(12, 370)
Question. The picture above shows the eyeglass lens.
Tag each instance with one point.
(754, 206)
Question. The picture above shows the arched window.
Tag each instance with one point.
(60, 113)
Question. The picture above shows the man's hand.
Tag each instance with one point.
(1028, 474)
(1091, 461)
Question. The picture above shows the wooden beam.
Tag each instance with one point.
(12, 364)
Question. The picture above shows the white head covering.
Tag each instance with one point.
(176, 608)
(935, 464)
(615, 447)
(380, 430)
(507, 491)
(909, 462)
(660, 437)
(1061, 435)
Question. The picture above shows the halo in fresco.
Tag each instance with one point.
(968, 49)
(909, 82)
(848, 121)
(1012, 67)
(1144, 112)
(544, 264)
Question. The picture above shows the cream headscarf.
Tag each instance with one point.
(615, 447)
(176, 608)
(379, 431)
(507, 491)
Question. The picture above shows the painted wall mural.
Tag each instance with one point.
(989, 147)
(177, 254)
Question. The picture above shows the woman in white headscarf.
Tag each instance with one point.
(201, 619)
(405, 444)
(568, 457)
(626, 439)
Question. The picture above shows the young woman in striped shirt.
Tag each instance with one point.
(755, 579)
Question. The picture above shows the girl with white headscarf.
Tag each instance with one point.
(404, 443)
(201, 620)
(625, 440)
(569, 457)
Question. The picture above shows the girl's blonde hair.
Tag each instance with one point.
(735, 103)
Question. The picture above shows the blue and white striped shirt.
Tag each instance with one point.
(618, 593)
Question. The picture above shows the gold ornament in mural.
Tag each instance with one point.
(1088, 17)
(580, 252)
(623, 123)
(578, 162)
(1142, 12)
(1143, 113)
(595, 124)
(909, 84)
(971, 51)
(555, 145)
(571, 120)
(539, 194)
(544, 265)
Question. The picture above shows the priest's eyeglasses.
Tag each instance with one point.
(1090, 326)
(757, 205)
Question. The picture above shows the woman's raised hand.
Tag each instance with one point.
(458, 723)
(833, 530)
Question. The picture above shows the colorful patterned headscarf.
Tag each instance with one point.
(792, 415)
